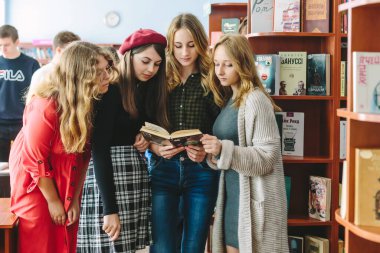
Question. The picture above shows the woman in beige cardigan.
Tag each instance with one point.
(251, 207)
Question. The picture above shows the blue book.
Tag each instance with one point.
(318, 75)
(268, 70)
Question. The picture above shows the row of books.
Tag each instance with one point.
(45, 53)
(294, 73)
(290, 16)
(311, 244)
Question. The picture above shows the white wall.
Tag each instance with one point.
(42, 19)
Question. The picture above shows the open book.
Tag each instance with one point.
(160, 136)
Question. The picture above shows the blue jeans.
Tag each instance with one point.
(197, 184)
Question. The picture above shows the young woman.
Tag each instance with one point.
(250, 212)
(116, 207)
(50, 155)
(180, 173)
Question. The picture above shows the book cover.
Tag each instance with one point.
(261, 16)
(286, 16)
(318, 74)
(340, 246)
(160, 136)
(295, 244)
(342, 139)
(292, 133)
(343, 78)
(315, 16)
(268, 70)
(315, 244)
(366, 82)
(292, 73)
(367, 187)
(230, 25)
(279, 120)
(319, 198)
(288, 186)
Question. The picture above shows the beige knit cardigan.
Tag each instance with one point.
(262, 226)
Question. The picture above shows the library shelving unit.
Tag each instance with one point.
(321, 135)
(43, 53)
(225, 10)
(362, 129)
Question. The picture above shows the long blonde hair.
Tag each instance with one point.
(194, 27)
(238, 49)
(74, 84)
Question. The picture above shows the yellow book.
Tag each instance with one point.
(367, 187)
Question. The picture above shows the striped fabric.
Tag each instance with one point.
(134, 202)
(262, 201)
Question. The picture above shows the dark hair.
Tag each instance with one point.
(8, 31)
(157, 92)
(62, 39)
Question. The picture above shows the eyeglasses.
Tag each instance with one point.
(104, 73)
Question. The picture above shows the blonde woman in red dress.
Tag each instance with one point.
(50, 155)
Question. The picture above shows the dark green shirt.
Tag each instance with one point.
(190, 109)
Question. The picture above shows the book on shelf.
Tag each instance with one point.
(268, 70)
(367, 187)
(343, 197)
(286, 16)
(343, 78)
(319, 198)
(292, 73)
(288, 186)
(160, 136)
(366, 82)
(318, 74)
(316, 244)
(315, 16)
(340, 246)
(295, 244)
(342, 139)
(230, 25)
(261, 16)
(292, 133)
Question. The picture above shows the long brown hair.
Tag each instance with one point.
(157, 93)
(74, 84)
(238, 49)
(194, 27)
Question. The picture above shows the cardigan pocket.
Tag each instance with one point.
(257, 215)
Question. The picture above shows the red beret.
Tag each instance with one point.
(142, 37)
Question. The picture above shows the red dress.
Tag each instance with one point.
(38, 152)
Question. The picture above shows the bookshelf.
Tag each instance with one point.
(363, 35)
(225, 10)
(321, 135)
(43, 53)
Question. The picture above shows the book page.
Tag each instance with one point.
(156, 128)
(183, 133)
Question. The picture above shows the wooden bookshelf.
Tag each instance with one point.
(225, 10)
(363, 35)
(44, 53)
(321, 136)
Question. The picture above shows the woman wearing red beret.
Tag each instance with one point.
(116, 203)
(181, 174)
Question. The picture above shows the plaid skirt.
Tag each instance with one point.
(133, 197)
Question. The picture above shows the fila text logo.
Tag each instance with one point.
(7, 74)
